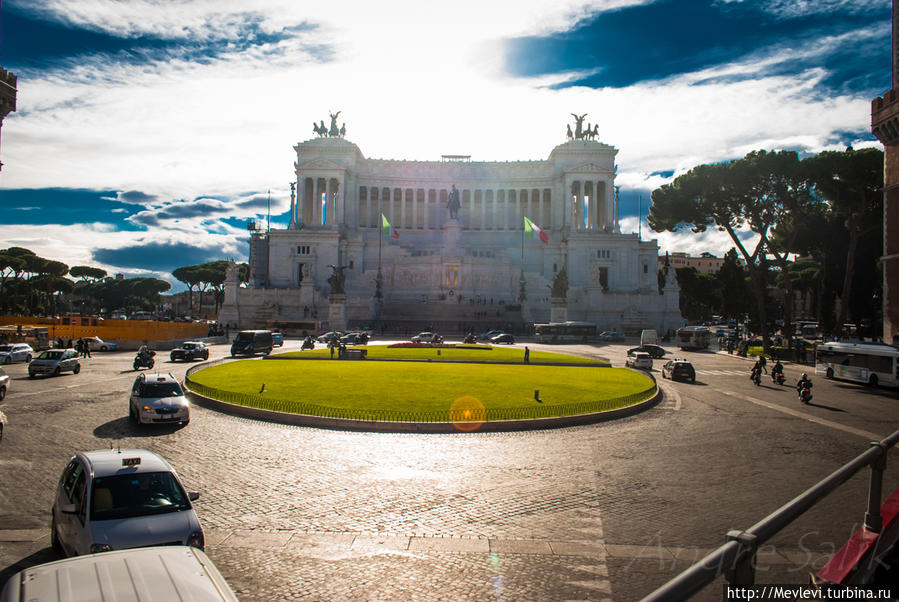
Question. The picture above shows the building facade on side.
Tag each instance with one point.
(452, 270)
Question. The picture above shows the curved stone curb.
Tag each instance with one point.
(379, 426)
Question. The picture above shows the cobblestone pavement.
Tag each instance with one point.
(608, 511)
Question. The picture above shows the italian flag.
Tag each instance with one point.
(388, 230)
(536, 230)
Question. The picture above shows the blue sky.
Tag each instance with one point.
(147, 133)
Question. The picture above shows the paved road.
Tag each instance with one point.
(608, 511)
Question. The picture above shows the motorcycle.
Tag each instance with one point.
(805, 393)
(470, 339)
(778, 378)
(144, 360)
(307, 344)
(756, 378)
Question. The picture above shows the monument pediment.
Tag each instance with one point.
(588, 167)
(319, 164)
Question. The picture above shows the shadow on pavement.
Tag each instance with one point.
(124, 427)
(40, 557)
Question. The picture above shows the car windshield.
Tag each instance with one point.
(50, 355)
(189, 346)
(166, 389)
(127, 496)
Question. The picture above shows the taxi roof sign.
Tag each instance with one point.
(130, 461)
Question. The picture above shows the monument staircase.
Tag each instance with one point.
(450, 317)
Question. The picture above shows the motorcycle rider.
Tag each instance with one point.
(804, 381)
(144, 352)
(777, 370)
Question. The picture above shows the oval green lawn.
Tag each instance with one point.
(462, 353)
(420, 391)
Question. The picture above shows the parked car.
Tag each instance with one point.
(53, 362)
(427, 337)
(503, 338)
(4, 384)
(114, 499)
(3, 421)
(154, 573)
(354, 338)
(611, 336)
(189, 351)
(638, 359)
(278, 339)
(490, 334)
(16, 352)
(654, 351)
(332, 335)
(98, 344)
(679, 370)
(158, 399)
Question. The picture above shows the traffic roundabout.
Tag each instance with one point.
(426, 389)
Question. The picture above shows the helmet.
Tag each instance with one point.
(804, 375)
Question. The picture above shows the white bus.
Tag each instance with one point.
(565, 332)
(870, 363)
(693, 337)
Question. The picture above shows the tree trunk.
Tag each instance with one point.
(843, 312)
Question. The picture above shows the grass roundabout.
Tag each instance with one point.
(462, 385)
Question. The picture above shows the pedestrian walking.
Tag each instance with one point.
(527, 355)
(763, 363)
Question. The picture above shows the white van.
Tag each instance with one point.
(649, 337)
(155, 573)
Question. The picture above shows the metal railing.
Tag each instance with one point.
(264, 402)
(736, 559)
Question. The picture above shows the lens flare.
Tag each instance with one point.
(467, 413)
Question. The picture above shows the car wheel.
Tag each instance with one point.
(693, 379)
(873, 380)
(103, 348)
(76, 369)
(2, 394)
(28, 359)
(54, 539)
(206, 356)
(829, 373)
(56, 371)
(8, 360)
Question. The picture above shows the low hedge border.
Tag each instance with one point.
(272, 410)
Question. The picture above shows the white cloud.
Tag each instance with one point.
(413, 80)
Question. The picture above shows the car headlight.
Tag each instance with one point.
(96, 548)
(196, 539)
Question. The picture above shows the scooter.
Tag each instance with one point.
(778, 378)
(469, 339)
(756, 377)
(307, 344)
(144, 361)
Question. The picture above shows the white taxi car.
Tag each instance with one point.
(639, 359)
(16, 352)
(158, 399)
(118, 499)
(53, 362)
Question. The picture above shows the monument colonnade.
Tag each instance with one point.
(420, 207)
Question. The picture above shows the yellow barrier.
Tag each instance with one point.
(130, 330)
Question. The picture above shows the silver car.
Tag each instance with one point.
(4, 384)
(15, 352)
(116, 499)
(158, 399)
(54, 362)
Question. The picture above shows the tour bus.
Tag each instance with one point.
(565, 332)
(693, 337)
(870, 363)
(298, 328)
